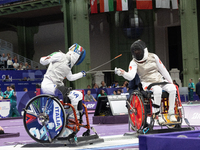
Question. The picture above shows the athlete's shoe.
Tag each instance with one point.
(160, 119)
(172, 118)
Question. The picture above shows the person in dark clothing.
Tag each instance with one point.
(13, 102)
(174, 81)
(198, 88)
(133, 84)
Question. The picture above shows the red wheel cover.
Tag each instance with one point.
(137, 119)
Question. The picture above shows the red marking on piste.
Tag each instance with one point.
(130, 67)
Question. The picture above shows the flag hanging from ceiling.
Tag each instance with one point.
(144, 4)
(162, 3)
(93, 6)
(122, 5)
(106, 5)
(174, 4)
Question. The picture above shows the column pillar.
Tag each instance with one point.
(26, 32)
(190, 39)
(76, 23)
(174, 72)
(98, 77)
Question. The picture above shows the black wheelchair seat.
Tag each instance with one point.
(147, 94)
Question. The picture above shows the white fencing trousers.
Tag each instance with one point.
(157, 91)
(48, 87)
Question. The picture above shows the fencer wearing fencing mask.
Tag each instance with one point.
(150, 70)
(60, 65)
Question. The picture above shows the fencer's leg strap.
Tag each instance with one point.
(157, 109)
(157, 101)
(172, 96)
(155, 106)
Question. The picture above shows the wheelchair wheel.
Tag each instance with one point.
(44, 118)
(137, 111)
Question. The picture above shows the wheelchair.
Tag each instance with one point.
(46, 116)
(140, 106)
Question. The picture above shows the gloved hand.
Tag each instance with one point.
(119, 71)
(84, 73)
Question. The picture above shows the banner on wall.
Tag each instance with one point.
(8, 1)
(4, 108)
(19, 75)
(21, 79)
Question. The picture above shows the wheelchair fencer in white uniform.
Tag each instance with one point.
(60, 65)
(150, 70)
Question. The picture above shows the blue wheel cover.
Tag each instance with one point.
(55, 115)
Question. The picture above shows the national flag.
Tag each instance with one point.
(106, 5)
(174, 4)
(144, 4)
(162, 3)
(93, 6)
(122, 5)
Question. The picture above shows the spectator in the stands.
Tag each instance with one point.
(25, 67)
(125, 86)
(116, 84)
(20, 66)
(119, 92)
(7, 79)
(4, 59)
(29, 67)
(10, 63)
(26, 79)
(114, 93)
(36, 68)
(88, 97)
(1, 130)
(13, 102)
(102, 93)
(16, 65)
(7, 92)
(103, 85)
(25, 90)
(15, 58)
(8, 55)
(88, 87)
(95, 86)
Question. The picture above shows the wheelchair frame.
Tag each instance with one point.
(140, 107)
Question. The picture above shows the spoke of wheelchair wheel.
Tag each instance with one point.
(130, 106)
(29, 112)
(45, 106)
(36, 107)
(49, 137)
(48, 105)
